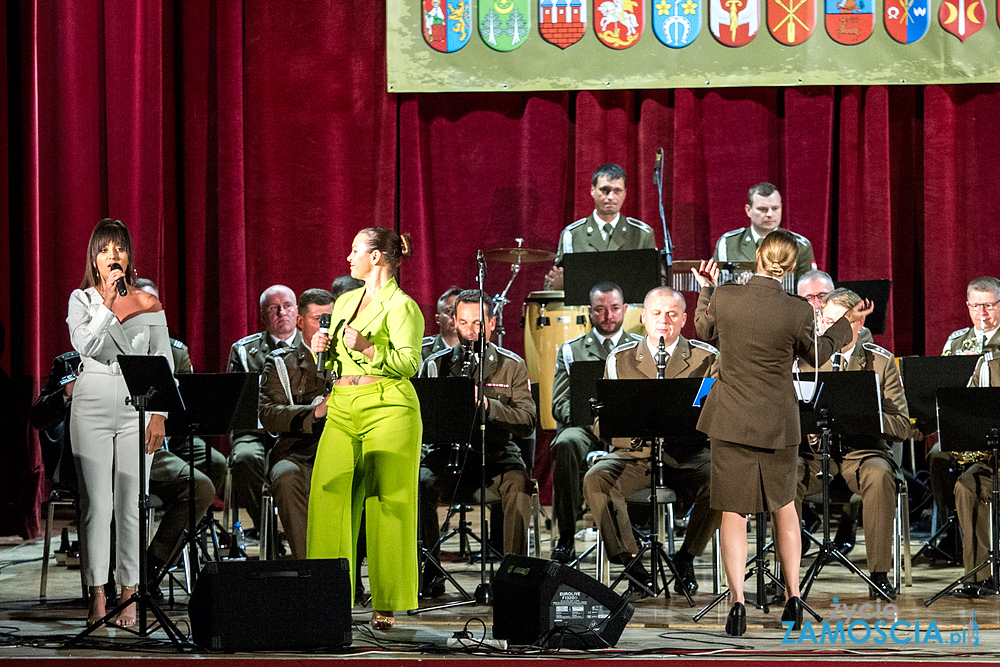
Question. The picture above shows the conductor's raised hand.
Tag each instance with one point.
(355, 341)
(860, 311)
(707, 274)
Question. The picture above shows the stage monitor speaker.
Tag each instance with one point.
(542, 601)
(272, 605)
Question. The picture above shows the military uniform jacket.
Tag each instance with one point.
(511, 412)
(957, 338)
(761, 329)
(247, 355)
(182, 357)
(584, 235)
(431, 344)
(634, 361)
(739, 246)
(290, 390)
(588, 347)
(987, 373)
(895, 413)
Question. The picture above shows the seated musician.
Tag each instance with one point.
(981, 296)
(292, 405)
(510, 414)
(605, 228)
(763, 207)
(972, 496)
(867, 464)
(572, 443)
(447, 336)
(625, 471)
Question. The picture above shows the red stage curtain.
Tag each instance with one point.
(245, 144)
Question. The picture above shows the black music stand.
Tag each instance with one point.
(151, 387)
(922, 378)
(964, 416)
(849, 404)
(215, 404)
(583, 377)
(448, 411)
(635, 271)
(652, 410)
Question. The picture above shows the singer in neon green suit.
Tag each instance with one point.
(369, 454)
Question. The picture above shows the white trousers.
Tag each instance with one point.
(104, 433)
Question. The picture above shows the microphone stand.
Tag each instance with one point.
(484, 591)
(668, 243)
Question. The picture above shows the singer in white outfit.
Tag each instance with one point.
(103, 429)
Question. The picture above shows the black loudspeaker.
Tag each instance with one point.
(545, 602)
(272, 605)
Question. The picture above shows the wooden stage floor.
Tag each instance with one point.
(30, 630)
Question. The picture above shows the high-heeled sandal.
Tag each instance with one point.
(126, 618)
(383, 620)
(736, 622)
(793, 612)
(98, 605)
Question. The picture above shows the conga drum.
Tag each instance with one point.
(548, 323)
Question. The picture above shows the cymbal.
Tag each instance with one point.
(515, 255)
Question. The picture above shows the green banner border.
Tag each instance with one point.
(939, 57)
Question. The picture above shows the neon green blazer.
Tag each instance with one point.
(392, 322)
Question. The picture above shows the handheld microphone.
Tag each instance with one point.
(661, 359)
(120, 283)
(324, 328)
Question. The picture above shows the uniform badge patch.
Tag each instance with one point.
(562, 22)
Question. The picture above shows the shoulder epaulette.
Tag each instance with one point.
(577, 223)
(798, 237)
(640, 224)
(627, 345)
(507, 353)
(629, 336)
(735, 232)
(958, 334)
(573, 340)
(246, 340)
(703, 346)
(176, 343)
(877, 349)
(439, 353)
(280, 351)
(988, 356)
(428, 340)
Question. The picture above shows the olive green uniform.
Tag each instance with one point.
(739, 246)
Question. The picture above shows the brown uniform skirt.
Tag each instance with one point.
(747, 480)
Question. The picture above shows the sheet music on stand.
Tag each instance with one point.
(924, 376)
(853, 412)
(635, 271)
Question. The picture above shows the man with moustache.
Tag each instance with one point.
(572, 443)
(278, 313)
(625, 471)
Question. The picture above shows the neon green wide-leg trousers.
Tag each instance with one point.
(369, 456)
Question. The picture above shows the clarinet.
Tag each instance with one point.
(661, 360)
(661, 373)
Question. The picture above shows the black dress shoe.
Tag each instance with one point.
(736, 622)
(881, 582)
(793, 612)
(640, 582)
(685, 580)
(565, 550)
(433, 587)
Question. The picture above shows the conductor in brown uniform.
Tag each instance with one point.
(752, 414)
(625, 471)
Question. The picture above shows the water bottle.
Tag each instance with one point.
(238, 547)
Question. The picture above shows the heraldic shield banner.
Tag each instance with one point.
(562, 45)
(963, 17)
(676, 23)
(619, 23)
(505, 24)
(907, 20)
(850, 21)
(562, 22)
(447, 24)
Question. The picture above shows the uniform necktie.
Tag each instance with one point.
(608, 345)
(607, 231)
(837, 360)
